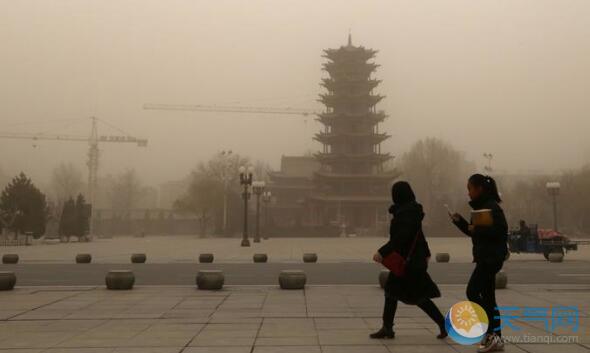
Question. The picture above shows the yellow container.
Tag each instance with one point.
(482, 217)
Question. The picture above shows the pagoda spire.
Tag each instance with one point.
(349, 38)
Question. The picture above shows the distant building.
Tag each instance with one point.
(346, 187)
(290, 187)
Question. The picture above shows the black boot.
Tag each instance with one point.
(386, 333)
(443, 332)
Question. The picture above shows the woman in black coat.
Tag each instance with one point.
(415, 287)
(489, 252)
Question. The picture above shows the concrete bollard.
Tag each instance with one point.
(120, 280)
(501, 280)
(259, 258)
(206, 258)
(311, 257)
(10, 259)
(83, 258)
(7, 280)
(383, 276)
(442, 257)
(555, 257)
(138, 258)
(292, 279)
(210, 279)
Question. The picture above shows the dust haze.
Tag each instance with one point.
(504, 77)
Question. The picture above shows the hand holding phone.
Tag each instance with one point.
(453, 215)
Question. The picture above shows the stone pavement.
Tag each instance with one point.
(185, 249)
(243, 319)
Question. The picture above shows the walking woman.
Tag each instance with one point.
(489, 253)
(407, 239)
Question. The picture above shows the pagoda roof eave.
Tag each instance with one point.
(280, 175)
(327, 138)
(385, 175)
(330, 158)
(289, 187)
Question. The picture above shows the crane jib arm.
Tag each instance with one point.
(230, 109)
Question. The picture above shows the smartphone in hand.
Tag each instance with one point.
(453, 215)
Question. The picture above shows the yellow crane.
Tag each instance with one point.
(93, 151)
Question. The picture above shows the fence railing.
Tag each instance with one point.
(13, 242)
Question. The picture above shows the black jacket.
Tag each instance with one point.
(489, 242)
(405, 226)
(416, 285)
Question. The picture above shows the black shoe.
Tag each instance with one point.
(386, 333)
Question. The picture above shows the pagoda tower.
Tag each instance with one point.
(352, 187)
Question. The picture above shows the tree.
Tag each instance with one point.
(66, 181)
(214, 185)
(438, 174)
(75, 219)
(527, 200)
(4, 179)
(126, 191)
(83, 211)
(574, 201)
(26, 205)
(223, 166)
(203, 197)
(67, 221)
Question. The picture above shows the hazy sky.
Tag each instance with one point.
(508, 77)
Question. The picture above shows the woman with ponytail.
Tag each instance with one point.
(489, 252)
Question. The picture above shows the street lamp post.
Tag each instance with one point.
(246, 181)
(257, 189)
(266, 198)
(225, 178)
(489, 157)
(553, 190)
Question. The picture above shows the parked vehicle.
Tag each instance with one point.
(531, 239)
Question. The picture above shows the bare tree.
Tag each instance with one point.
(125, 191)
(438, 173)
(203, 198)
(66, 181)
(214, 189)
(223, 166)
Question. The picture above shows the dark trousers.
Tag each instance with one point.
(481, 289)
(427, 306)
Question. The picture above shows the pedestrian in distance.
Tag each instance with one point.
(488, 230)
(406, 240)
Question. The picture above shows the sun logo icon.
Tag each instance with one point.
(466, 322)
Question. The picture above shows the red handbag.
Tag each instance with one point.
(396, 263)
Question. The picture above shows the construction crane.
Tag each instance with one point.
(93, 151)
(231, 109)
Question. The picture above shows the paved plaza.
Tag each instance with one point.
(179, 249)
(59, 306)
(245, 319)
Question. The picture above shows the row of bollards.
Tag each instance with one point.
(205, 280)
(141, 258)
(203, 258)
